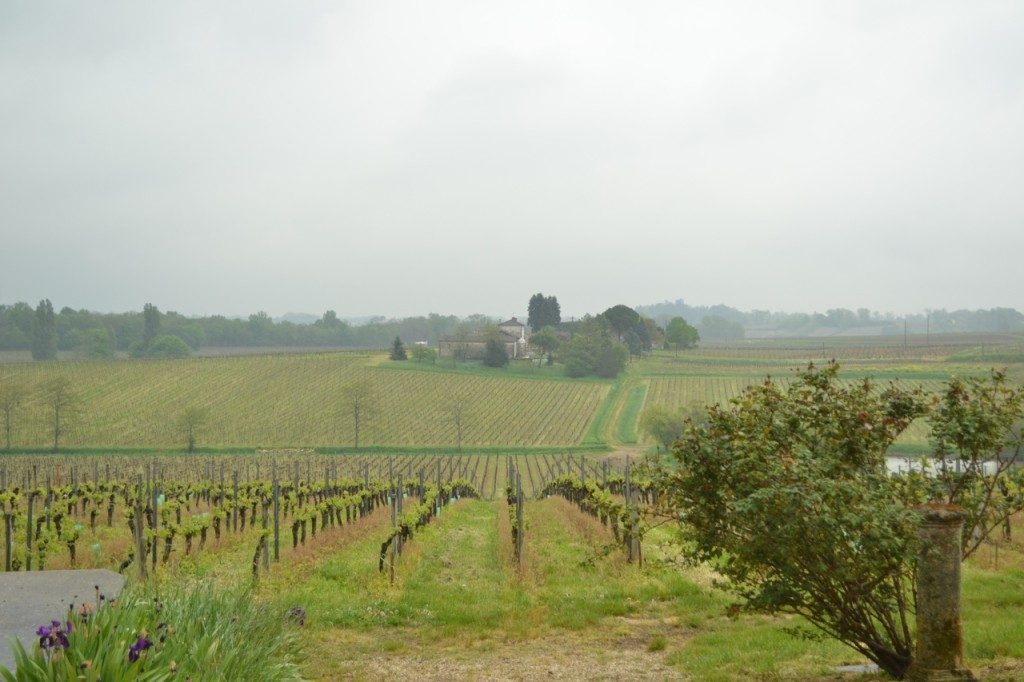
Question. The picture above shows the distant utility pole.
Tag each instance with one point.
(905, 333)
(928, 329)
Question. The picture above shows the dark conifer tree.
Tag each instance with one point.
(398, 350)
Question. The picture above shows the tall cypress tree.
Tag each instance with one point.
(398, 350)
(44, 332)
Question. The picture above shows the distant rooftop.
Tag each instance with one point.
(510, 323)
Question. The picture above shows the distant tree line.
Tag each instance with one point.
(724, 322)
(98, 335)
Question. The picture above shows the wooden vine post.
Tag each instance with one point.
(519, 519)
(394, 527)
(399, 495)
(277, 516)
(140, 542)
(633, 543)
(234, 501)
(28, 530)
(156, 523)
(266, 531)
(8, 542)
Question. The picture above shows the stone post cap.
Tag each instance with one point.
(941, 513)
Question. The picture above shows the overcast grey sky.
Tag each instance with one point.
(404, 157)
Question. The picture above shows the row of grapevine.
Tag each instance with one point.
(296, 400)
(142, 512)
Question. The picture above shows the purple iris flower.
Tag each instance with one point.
(141, 644)
(53, 635)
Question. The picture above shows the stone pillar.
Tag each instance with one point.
(940, 635)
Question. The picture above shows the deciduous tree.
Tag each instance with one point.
(190, 423)
(360, 400)
(422, 353)
(13, 395)
(63, 403)
(457, 410)
(546, 340)
(680, 334)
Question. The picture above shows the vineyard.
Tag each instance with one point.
(297, 401)
(428, 564)
(528, 554)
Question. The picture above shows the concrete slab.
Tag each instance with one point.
(31, 599)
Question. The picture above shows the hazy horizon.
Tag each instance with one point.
(398, 158)
(566, 314)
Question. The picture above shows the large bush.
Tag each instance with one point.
(785, 492)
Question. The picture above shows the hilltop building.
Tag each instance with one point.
(471, 346)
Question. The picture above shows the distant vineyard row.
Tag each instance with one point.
(676, 392)
(298, 401)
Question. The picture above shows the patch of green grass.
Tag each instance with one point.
(993, 608)
(602, 416)
(583, 583)
(460, 584)
(657, 643)
(448, 578)
(756, 648)
(629, 415)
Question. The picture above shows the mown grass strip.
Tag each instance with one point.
(601, 418)
(629, 415)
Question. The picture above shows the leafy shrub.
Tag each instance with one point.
(786, 494)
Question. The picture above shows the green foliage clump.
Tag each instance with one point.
(163, 346)
(495, 354)
(786, 494)
(95, 344)
(629, 328)
(662, 424)
(546, 341)
(168, 346)
(421, 353)
(977, 433)
(593, 351)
